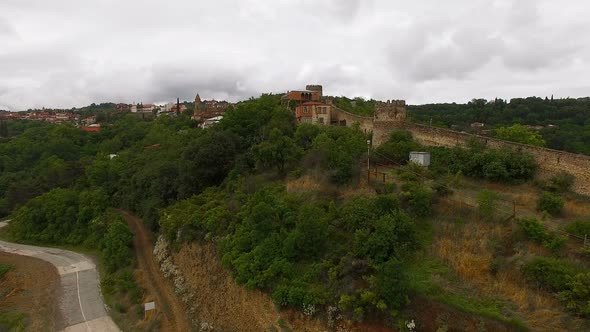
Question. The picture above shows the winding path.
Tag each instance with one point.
(174, 314)
(80, 301)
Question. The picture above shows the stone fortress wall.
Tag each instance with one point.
(391, 115)
(343, 117)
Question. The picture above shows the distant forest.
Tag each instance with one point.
(570, 118)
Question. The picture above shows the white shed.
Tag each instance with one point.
(420, 158)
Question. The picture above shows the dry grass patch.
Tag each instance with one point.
(468, 251)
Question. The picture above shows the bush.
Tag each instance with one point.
(13, 321)
(441, 188)
(549, 273)
(392, 235)
(577, 296)
(487, 203)
(579, 228)
(418, 200)
(397, 149)
(535, 231)
(393, 284)
(501, 165)
(560, 183)
(551, 203)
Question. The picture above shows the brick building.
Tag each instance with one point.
(209, 108)
(311, 93)
(314, 112)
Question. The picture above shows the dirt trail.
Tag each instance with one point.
(174, 316)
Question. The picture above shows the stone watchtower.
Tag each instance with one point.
(389, 115)
(390, 111)
(197, 104)
(315, 88)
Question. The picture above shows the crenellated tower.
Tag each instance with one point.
(391, 111)
(389, 115)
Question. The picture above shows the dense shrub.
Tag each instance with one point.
(418, 199)
(61, 216)
(559, 183)
(397, 149)
(535, 231)
(389, 236)
(579, 228)
(569, 282)
(307, 252)
(549, 273)
(487, 203)
(117, 245)
(577, 295)
(503, 165)
(551, 203)
(338, 151)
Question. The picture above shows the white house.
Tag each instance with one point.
(420, 158)
(210, 121)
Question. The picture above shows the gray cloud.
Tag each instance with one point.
(57, 54)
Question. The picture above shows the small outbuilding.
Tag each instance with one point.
(420, 158)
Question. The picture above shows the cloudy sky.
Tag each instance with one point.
(66, 53)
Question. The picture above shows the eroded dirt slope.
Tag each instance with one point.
(172, 311)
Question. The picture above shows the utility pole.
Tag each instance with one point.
(177, 106)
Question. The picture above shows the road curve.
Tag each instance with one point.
(80, 301)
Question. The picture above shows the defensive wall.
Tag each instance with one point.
(343, 117)
(550, 161)
(391, 115)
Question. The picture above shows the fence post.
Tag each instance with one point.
(514, 209)
(383, 177)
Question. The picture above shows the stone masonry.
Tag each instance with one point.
(391, 115)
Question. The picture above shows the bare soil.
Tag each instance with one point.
(223, 303)
(171, 311)
(30, 287)
(228, 306)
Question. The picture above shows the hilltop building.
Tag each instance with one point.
(207, 109)
(311, 93)
(308, 106)
(314, 112)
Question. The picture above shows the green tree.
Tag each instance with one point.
(117, 245)
(305, 134)
(392, 235)
(520, 134)
(393, 284)
(277, 151)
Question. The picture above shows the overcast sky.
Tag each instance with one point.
(66, 53)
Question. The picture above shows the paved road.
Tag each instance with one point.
(80, 302)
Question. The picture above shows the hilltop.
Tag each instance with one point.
(293, 230)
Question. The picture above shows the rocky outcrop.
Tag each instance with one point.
(174, 274)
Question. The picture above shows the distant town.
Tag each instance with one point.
(309, 105)
(204, 111)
